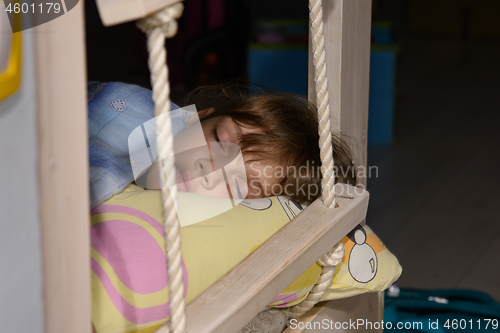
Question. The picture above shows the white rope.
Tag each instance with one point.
(322, 99)
(332, 258)
(328, 262)
(274, 320)
(157, 27)
(162, 24)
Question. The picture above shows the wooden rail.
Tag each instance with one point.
(114, 12)
(238, 296)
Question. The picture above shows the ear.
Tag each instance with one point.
(201, 114)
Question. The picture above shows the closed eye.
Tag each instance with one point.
(238, 190)
(216, 136)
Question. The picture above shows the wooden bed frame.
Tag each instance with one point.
(63, 180)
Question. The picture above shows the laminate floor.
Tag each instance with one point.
(436, 200)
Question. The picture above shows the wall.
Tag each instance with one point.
(278, 9)
(21, 307)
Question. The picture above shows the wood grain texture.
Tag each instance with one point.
(114, 12)
(63, 172)
(237, 297)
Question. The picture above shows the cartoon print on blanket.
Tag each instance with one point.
(129, 260)
(362, 258)
(129, 280)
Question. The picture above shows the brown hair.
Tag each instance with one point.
(289, 134)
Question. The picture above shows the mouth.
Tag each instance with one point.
(182, 180)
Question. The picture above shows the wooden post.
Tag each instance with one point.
(347, 43)
(63, 172)
(347, 25)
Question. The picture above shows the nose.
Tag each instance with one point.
(209, 178)
(221, 167)
(203, 166)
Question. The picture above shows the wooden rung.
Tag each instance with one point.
(114, 12)
(238, 296)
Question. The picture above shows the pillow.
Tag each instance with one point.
(367, 266)
(129, 280)
(115, 109)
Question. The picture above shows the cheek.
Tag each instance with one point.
(182, 160)
(219, 191)
(190, 138)
(180, 144)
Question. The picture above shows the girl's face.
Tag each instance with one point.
(212, 163)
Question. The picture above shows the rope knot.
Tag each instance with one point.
(165, 20)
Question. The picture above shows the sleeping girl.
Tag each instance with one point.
(249, 143)
(275, 132)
